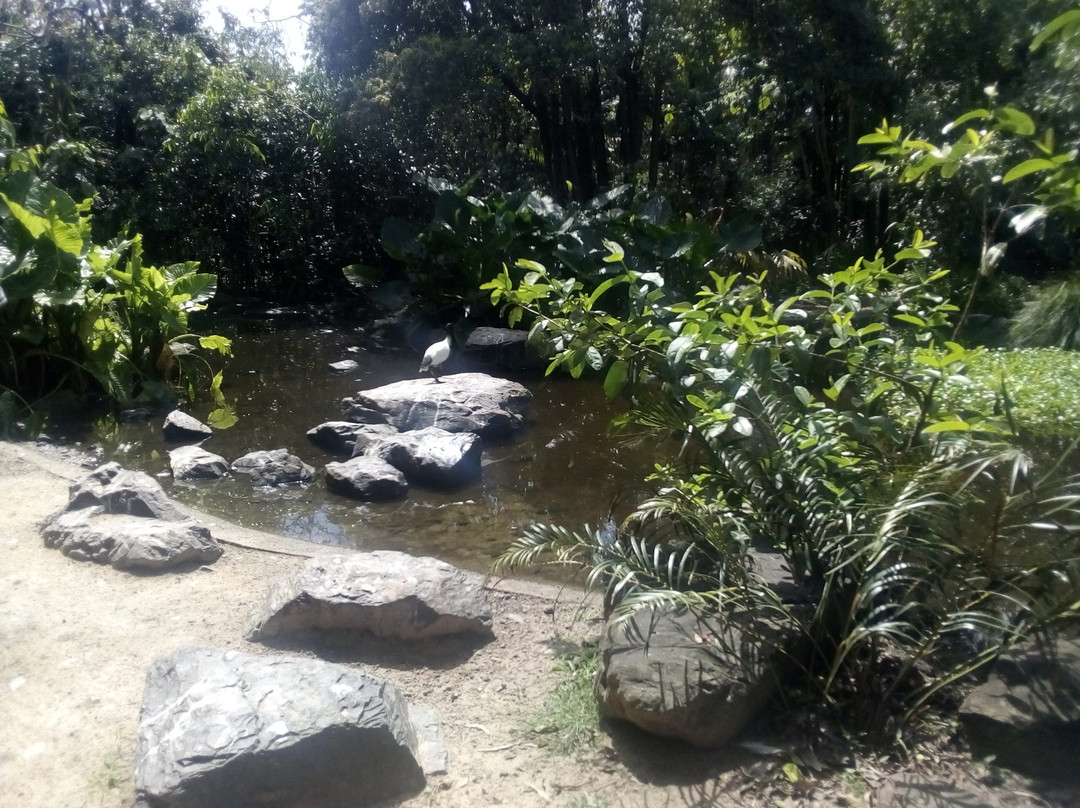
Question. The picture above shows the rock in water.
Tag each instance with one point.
(194, 463)
(180, 427)
(336, 437)
(463, 402)
(384, 594)
(221, 729)
(274, 467)
(429, 456)
(367, 478)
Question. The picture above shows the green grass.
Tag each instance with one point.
(1043, 387)
(568, 721)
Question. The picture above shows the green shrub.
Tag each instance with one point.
(814, 427)
(79, 316)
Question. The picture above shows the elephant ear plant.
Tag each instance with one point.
(921, 541)
(81, 317)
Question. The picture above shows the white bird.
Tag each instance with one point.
(435, 355)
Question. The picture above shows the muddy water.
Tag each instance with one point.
(565, 467)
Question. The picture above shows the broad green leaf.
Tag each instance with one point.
(910, 318)
(603, 287)
(525, 263)
(222, 418)
(615, 378)
(31, 221)
(948, 426)
(1028, 167)
(1013, 120)
(973, 115)
(214, 342)
(363, 276)
(615, 252)
(1059, 23)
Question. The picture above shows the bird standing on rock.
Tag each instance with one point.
(435, 355)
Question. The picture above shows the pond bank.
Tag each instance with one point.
(77, 639)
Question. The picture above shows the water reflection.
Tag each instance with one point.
(564, 467)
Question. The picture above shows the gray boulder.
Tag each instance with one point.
(336, 437)
(367, 434)
(129, 542)
(194, 463)
(429, 456)
(219, 728)
(182, 428)
(385, 594)
(463, 402)
(274, 467)
(366, 478)
(117, 490)
(123, 518)
(680, 676)
(1027, 713)
(344, 366)
(502, 346)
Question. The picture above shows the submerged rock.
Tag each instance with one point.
(274, 467)
(344, 366)
(220, 728)
(463, 402)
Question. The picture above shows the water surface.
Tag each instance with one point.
(565, 467)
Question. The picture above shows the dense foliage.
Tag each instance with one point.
(670, 193)
(812, 426)
(81, 316)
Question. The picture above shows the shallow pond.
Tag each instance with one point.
(564, 467)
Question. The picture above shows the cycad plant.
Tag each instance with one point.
(920, 541)
(1050, 318)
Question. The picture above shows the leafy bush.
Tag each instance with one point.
(80, 316)
(812, 427)
(470, 239)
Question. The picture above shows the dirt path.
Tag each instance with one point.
(76, 639)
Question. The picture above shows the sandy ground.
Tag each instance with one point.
(76, 639)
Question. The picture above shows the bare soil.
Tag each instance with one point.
(76, 639)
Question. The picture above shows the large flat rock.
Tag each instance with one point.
(221, 729)
(129, 542)
(463, 402)
(384, 594)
